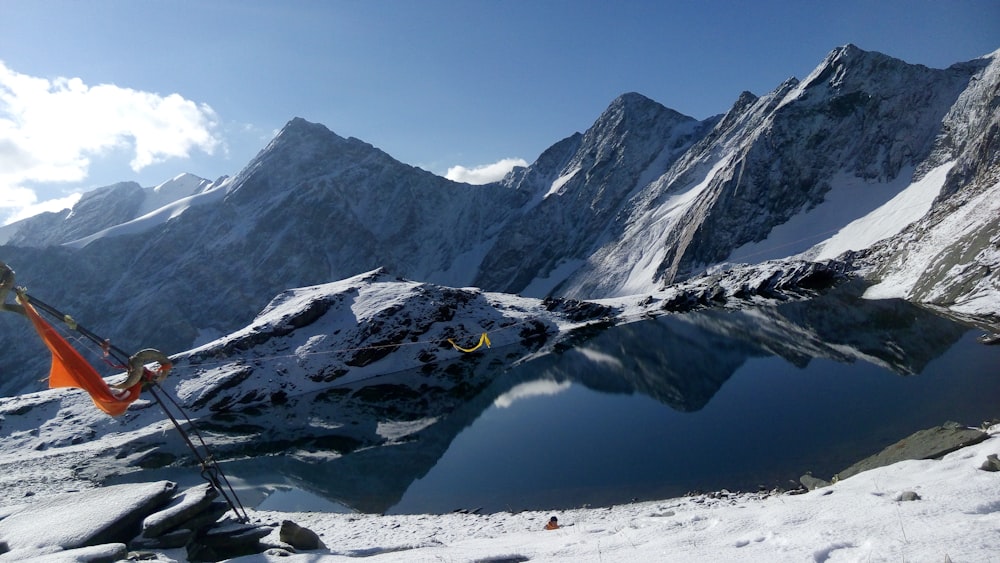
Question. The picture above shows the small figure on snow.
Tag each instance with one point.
(553, 524)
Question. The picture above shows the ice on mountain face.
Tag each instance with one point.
(834, 218)
(888, 220)
(178, 187)
(665, 217)
(559, 182)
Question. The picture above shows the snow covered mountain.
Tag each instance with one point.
(101, 209)
(868, 153)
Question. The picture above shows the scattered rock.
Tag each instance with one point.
(906, 496)
(143, 556)
(992, 463)
(108, 520)
(925, 444)
(227, 540)
(812, 483)
(171, 540)
(990, 339)
(298, 537)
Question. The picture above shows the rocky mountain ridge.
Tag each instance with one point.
(644, 198)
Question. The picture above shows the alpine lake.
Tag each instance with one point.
(737, 399)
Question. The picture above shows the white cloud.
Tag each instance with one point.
(484, 174)
(27, 206)
(51, 129)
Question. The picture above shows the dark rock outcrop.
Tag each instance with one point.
(931, 443)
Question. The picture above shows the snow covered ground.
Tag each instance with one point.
(862, 518)
(957, 518)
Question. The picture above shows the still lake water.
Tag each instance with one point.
(662, 407)
(770, 423)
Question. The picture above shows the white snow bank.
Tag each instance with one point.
(888, 220)
(176, 188)
(924, 254)
(560, 182)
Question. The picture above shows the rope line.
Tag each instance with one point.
(484, 339)
(210, 469)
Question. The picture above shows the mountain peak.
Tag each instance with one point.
(634, 103)
(298, 129)
(632, 99)
(632, 110)
(300, 123)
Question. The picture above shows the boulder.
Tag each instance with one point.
(184, 506)
(992, 463)
(171, 540)
(812, 483)
(925, 444)
(88, 518)
(300, 538)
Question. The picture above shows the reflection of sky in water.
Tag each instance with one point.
(549, 444)
(599, 357)
(297, 500)
(538, 388)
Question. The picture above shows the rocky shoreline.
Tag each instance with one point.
(146, 519)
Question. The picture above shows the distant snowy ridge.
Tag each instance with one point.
(104, 211)
(166, 205)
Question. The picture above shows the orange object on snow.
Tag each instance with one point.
(70, 369)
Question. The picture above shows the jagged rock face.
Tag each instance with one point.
(632, 142)
(357, 208)
(859, 114)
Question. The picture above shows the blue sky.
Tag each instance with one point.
(96, 92)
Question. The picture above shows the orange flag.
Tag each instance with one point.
(69, 369)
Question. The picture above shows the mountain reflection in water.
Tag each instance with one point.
(652, 409)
